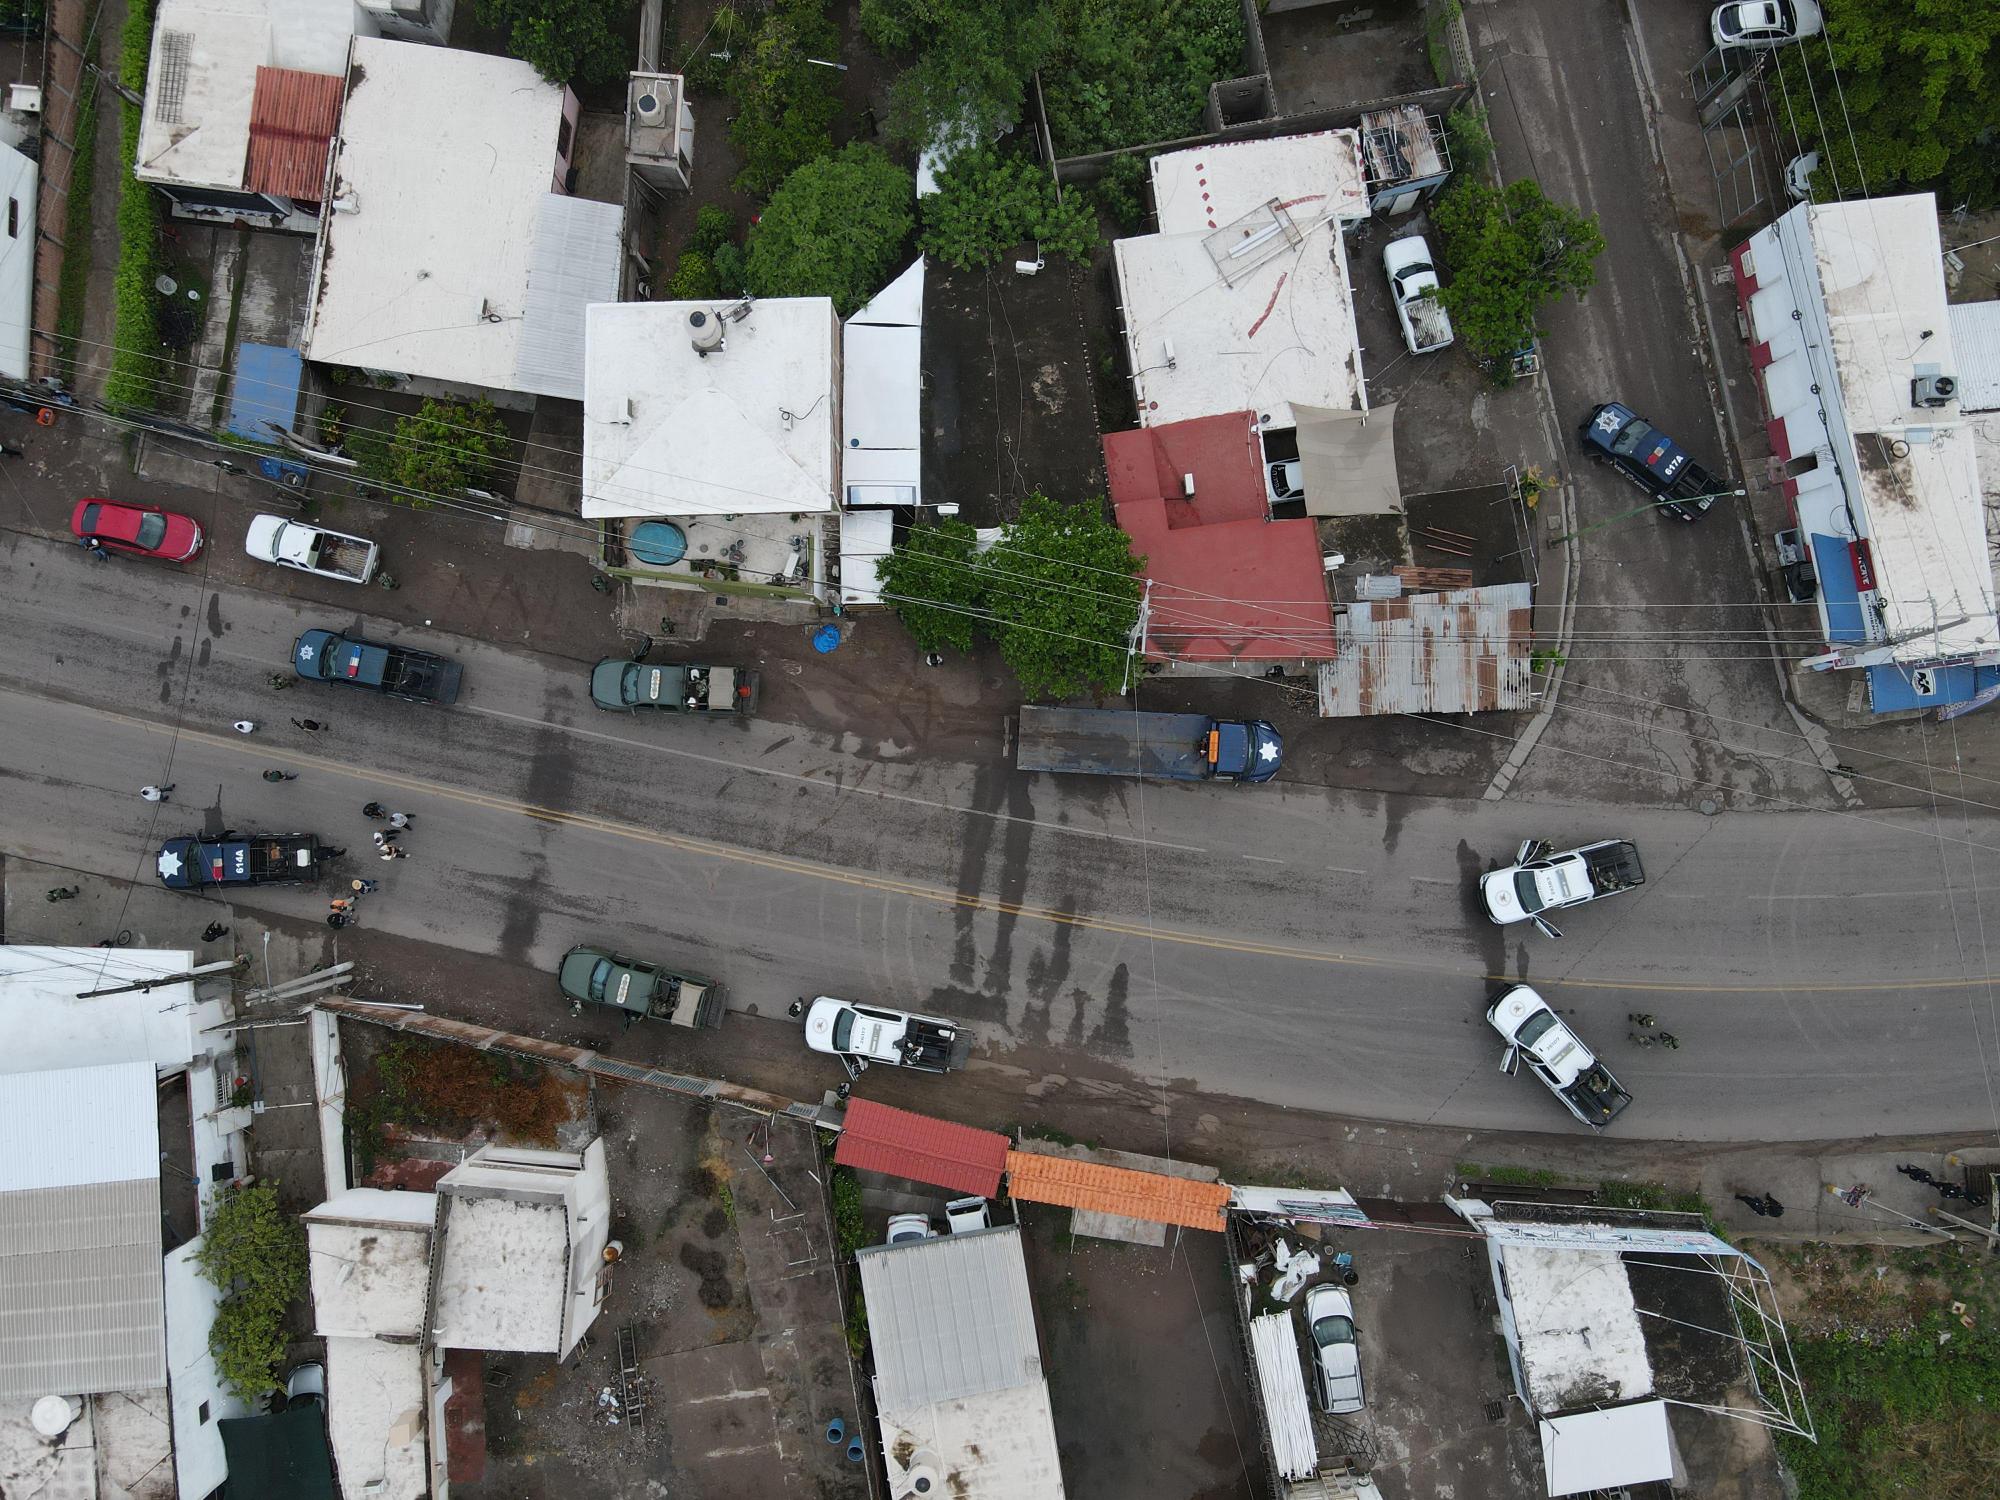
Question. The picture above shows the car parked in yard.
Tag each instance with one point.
(1336, 1354)
(1413, 287)
(1765, 23)
(1617, 435)
(142, 530)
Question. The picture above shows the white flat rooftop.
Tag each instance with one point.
(502, 1275)
(44, 1025)
(442, 163)
(1243, 301)
(1580, 1340)
(370, 1253)
(375, 1418)
(1606, 1450)
(750, 429)
(195, 127)
(1000, 1445)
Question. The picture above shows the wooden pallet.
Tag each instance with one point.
(1418, 580)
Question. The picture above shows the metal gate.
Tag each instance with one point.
(1727, 89)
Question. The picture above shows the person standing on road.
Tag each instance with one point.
(338, 919)
(156, 793)
(400, 820)
(342, 904)
(373, 810)
(310, 726)
(383, 839)
(213, 931)
(362, 887)
(392, 851)
(1757, 1206)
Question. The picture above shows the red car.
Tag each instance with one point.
(138, 529)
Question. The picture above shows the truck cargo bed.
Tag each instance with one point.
(1112, 742)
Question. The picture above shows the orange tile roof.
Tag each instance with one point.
(293, 116)
(1116, 1190)
(879, 1138)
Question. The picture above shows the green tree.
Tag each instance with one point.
(1063, 591)
(785, 103)
(969, 78)
(833, 229)
(1510, 250)
(938, 584)
(1122, 191)
(1132, 72)
(1917, 103)
(446, 446)
(568, 41)
(255, 1254)
(988, 202)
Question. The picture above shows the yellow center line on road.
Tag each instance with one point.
(939, 896)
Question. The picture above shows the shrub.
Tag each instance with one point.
(76, 227)
(255, 1253)
(834, 229)
(1129, 72)
(1122, 191)
(785, 105)
(732, 273)
(457, 1088)
(1510, 250)
(972, 61)
(135, 375)
(446, 446)
(693, 279)
(568, 41)
(704, 68)
(714, 227)
(987, 203)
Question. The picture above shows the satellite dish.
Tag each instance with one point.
(52, 1415)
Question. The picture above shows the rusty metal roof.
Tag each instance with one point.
(1151, 1196)
(293, 117)
(876, 1138)
(1467, 651)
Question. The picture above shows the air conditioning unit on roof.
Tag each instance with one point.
(1933, 390)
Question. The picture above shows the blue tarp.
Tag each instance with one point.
(1834, 564)
(263, 389)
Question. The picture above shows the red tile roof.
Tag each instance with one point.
(1151, 1196)
(1228, 584)
(877, 1138)
(293, 117)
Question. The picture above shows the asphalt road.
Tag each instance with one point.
(1311, 948)
(1669, 673)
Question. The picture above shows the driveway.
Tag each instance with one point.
(1670, 694)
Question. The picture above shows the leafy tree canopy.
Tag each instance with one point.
(974, 57)
(1132, 72)
(785, 104)
(1059, 592)
(256, 1254)
(834, 229)
(1510, 250)
(989, 201)
(446, 446)
(1918, 86)
(568, 41)
(938, 586)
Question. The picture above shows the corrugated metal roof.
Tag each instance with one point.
(573, 263)
(82, 1298)
(293, 118)
(949, 1317)
(1975, 340)
(69, 1127)
(1152, 1196)
(876, 1138)
(1467, 651)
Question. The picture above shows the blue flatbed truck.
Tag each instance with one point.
(231, 858)
(1162, 747)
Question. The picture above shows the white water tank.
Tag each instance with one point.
(52, 1415)
(704, 332)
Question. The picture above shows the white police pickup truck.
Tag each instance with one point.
(1541, 880)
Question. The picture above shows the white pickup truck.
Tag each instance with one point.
(1413, 286)
(1541, 880)
(312, 549)
(862, 1034)
(1556, 1055)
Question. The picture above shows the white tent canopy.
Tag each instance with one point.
(1604, 1450)
(1350, 461)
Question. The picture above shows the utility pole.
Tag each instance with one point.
(1570, 536)
(222, 966)
(1135, 642)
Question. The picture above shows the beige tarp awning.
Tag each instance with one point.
(1349, 458)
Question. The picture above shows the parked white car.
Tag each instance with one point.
(1765, 23)
(1336, 1355)
(1413, 287)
